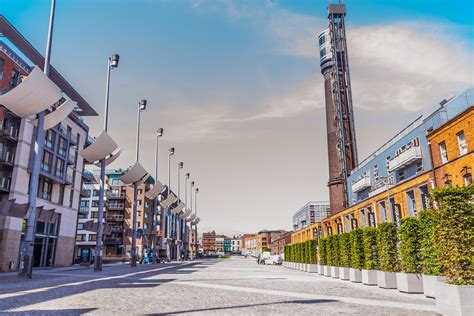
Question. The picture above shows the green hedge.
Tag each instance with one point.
(345, 250)
(371, 256)
(334, 254)
(429, 255)
(387, 247)
(410, 246)
(322, 251)
(312, 251)
(357, 249)
(454, 233)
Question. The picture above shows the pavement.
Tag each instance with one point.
(235, 286)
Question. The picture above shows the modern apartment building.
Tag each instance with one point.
(394, 182)
(309, 214)
(61, 167)
(209, 243)
(88, 210)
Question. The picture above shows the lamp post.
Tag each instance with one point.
(186, 178)
(168, 221)
(141, 107)
(191, 186)
(195, 225)
(27, 247)
(112, 62)
(176, 216)
(156, 203)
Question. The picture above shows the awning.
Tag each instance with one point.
(157, 189)
(143, 179)
(6, 206)
(178, 208)
(58, 115)
(91, 226)
(43, 215)
(102, 147)
(33, 95)
(19, 210)
(111, 158)
(186, 214)
(134, 174)
(168, 201)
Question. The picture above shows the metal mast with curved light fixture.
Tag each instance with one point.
(168, 220)
(159, 133)
(112, 62)
(195, 225)
(141, 107)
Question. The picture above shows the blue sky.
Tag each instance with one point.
(237, 85)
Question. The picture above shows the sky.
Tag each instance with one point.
(237, 86)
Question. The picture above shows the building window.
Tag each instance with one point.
(419, 166)
(94, 214)
(2, 65)
(59, 168)
(383, 211)
(139, 202)
(411, 203)
(92, 237)
(95, 192)
(401, 175)
(468, 179)
(462, 143)
(15, 79)
(46, 188)
(95, 203)
(46, 164)
(362, 217)
(424, 197)
(62, 148)
(443, 152)
(49, 141)
(80, 237)
(80, 226)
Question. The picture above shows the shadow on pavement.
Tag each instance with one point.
(245, 306)
(73, 311)
(58, 287)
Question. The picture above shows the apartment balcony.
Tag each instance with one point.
(7, 159)
(10, 133)
(69, 178)
(84, 209)
(86, 193)
(115, 195)
(361, 184)
(404, 159)
(88, 176)
(71, 158)
(113, 241)
(115, 206)
(117, 229)
(5, 184)
(114, 218)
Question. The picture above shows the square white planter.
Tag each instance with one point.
(387, 280)
(454, 299)
(344, 273)
(335, 272)
(355, 275)
(429, 284)
(321, 269)
(327, 271)
(409, 282)
(369, 277)
(303, 267)
(312, 268)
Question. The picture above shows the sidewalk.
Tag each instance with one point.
(74, 267)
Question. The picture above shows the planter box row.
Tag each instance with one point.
(404, 282)
(450, 299)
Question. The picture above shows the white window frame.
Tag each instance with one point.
(443, 151)
(462, 143)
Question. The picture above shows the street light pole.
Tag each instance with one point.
(27, 247)
(133, 263)
(176, 216)
(195, 225)
(111, 63)
(168, 221)
(159, 133)
(186, 178)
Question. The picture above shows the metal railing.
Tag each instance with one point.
(361, 183)
(115, 206)
(405, 158)
(5, 183)
(7, 157)
(11, 132)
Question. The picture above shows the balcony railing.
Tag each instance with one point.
(115, 195)
(115, 206)
(7, 158)
(361, 184)
(10, 133)
(113, 241)
(407, 157)
(114, 218)
(5, 184)
(71, 158)
(117, 229)
(84, 209)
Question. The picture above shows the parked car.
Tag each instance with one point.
(275, 260)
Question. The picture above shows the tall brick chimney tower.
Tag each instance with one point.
(342, 147)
